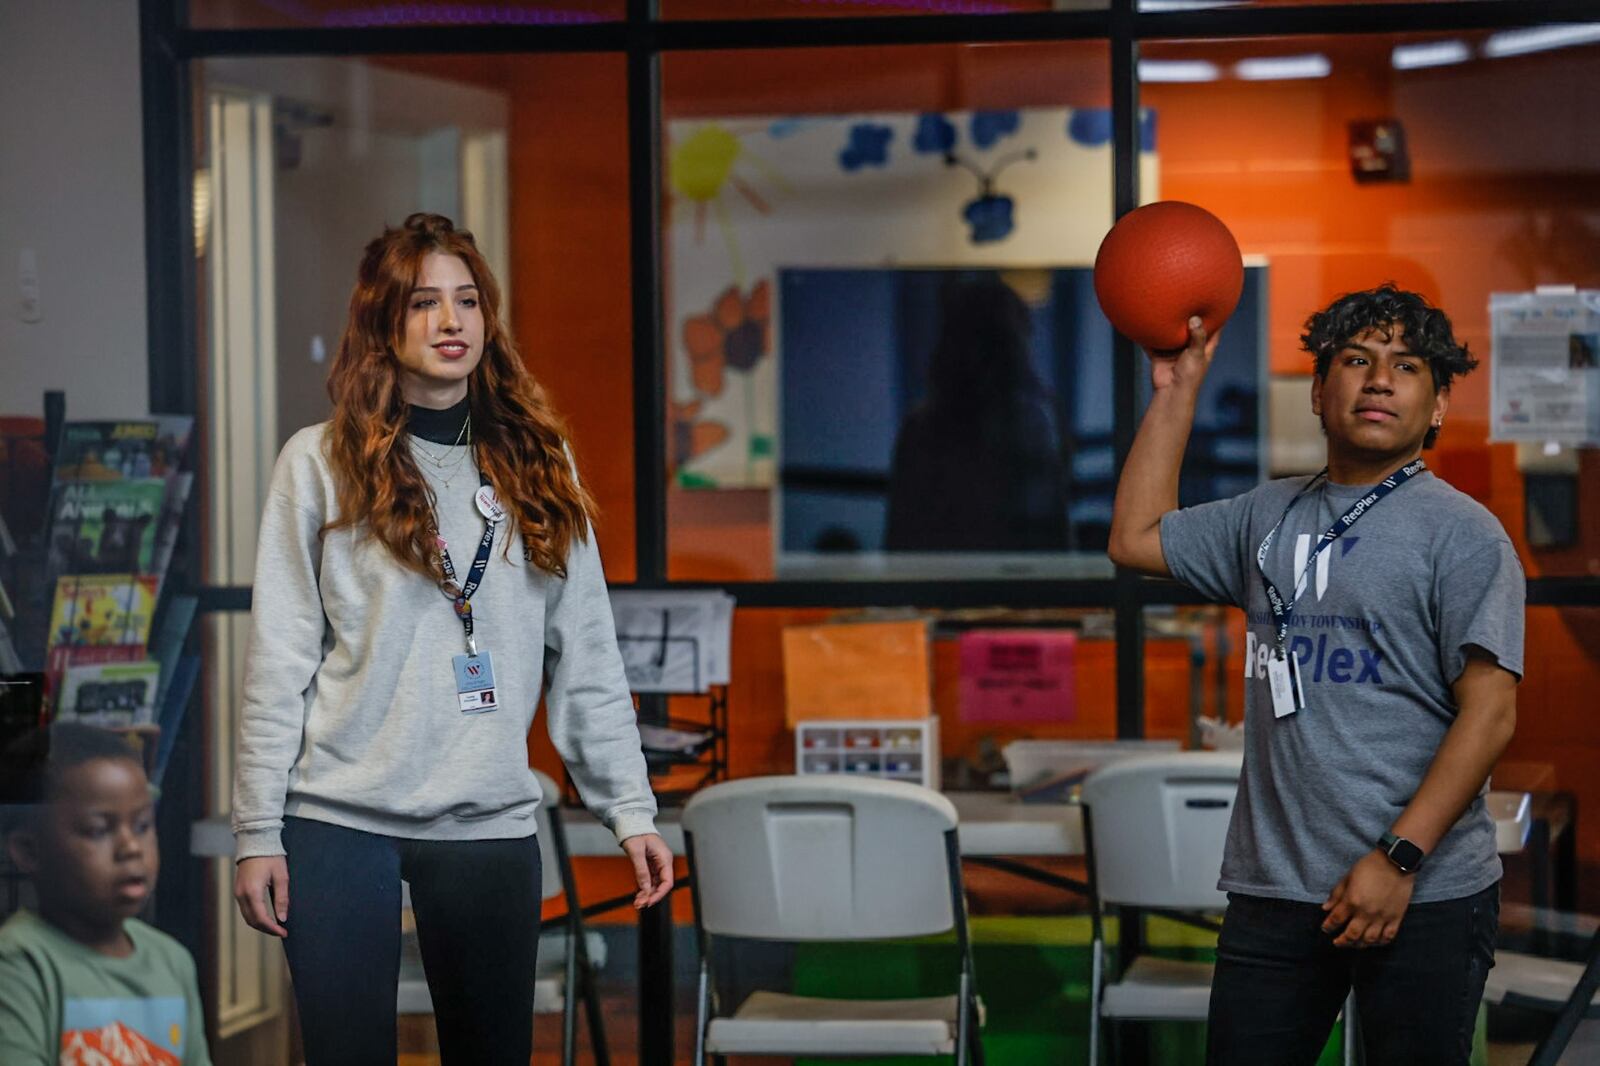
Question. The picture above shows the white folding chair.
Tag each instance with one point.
(1567, 989)
(828, 858)
(1154, 828)
(569, 955)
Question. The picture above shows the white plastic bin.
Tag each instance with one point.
(1053, 769)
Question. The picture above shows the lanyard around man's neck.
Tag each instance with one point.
(1282, 609)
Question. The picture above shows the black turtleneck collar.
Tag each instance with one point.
(437, 427)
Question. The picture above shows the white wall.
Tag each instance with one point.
(72, 189)
(393, 145)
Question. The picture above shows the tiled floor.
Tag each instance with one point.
(418, 1046)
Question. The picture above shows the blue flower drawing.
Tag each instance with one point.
(1091, 127)
(868, 146)
(935, 134)
(988, 127)
(990, 217)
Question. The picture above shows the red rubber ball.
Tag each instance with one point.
(1163, 263)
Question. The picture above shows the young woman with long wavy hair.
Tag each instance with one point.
(383, 729)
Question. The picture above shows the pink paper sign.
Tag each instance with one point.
(1019, 675)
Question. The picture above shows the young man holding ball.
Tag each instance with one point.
(1385, 625)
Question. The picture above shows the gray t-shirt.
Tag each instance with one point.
(1381, 631)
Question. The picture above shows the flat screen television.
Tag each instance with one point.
(957, 423)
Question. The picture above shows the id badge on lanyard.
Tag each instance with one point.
(1283, 669)
(1283, 675)
(474, 671)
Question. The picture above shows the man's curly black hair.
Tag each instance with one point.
(1384, 309)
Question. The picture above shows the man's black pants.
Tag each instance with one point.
(1280, 983)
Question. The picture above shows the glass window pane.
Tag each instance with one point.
(1155, 6)
(1070, 687)
(873, 258)
(771, 9)
(341, 14)
(1557, 743)
(304, 160)
(1455, 165)
(1193, 671)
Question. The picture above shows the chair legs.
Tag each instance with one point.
(569, 1004)
(597, 1028)
(964, 1020)
(1096, 977)
(580, 984)
(975, 1037)
(702, 1014)
(1352, 1033)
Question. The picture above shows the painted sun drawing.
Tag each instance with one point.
(705, 165)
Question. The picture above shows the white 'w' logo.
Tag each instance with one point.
(1302, 551)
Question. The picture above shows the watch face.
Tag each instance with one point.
(1406, 855)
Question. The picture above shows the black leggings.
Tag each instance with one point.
(476, 904)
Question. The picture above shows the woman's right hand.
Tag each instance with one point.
(261, 885)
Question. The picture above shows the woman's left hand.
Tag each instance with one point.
(652, 868)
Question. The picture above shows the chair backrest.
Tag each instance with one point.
(1158, 826)
(821, 857)
(549, 804)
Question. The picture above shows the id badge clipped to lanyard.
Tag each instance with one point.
(474, 671)
(1283, 669)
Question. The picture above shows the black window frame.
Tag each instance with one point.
(168, 45)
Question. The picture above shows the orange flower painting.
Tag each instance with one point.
(691, 435)
(733, 336)
(736, 333)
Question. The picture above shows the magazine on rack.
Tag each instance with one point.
(171, 524)
(110, 695)
(104, 527)
(102, 610)
(98, 618)
(123, 450)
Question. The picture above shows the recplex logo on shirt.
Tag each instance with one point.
(1319, 659)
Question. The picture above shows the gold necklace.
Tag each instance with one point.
(439, 460)
(456, 469)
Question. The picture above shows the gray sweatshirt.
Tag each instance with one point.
(350, 713)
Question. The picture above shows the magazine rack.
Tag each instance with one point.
(95, 516)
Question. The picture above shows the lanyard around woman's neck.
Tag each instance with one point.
(461, 595)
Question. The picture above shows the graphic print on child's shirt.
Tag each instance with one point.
(123, 1032)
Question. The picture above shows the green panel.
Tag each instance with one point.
(1033, 977)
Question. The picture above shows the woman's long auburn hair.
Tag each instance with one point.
(518, 441)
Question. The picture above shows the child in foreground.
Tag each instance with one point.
(81, 979)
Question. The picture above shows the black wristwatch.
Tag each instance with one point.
(1404, 854)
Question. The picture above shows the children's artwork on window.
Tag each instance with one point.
(751, 195)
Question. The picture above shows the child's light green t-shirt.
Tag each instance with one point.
(62, 1003)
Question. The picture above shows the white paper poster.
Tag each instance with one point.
(677, 641)
(751, 195)
(1544, 382)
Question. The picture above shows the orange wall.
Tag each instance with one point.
(1269, 159)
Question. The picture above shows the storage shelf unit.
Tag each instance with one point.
(895, 749)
